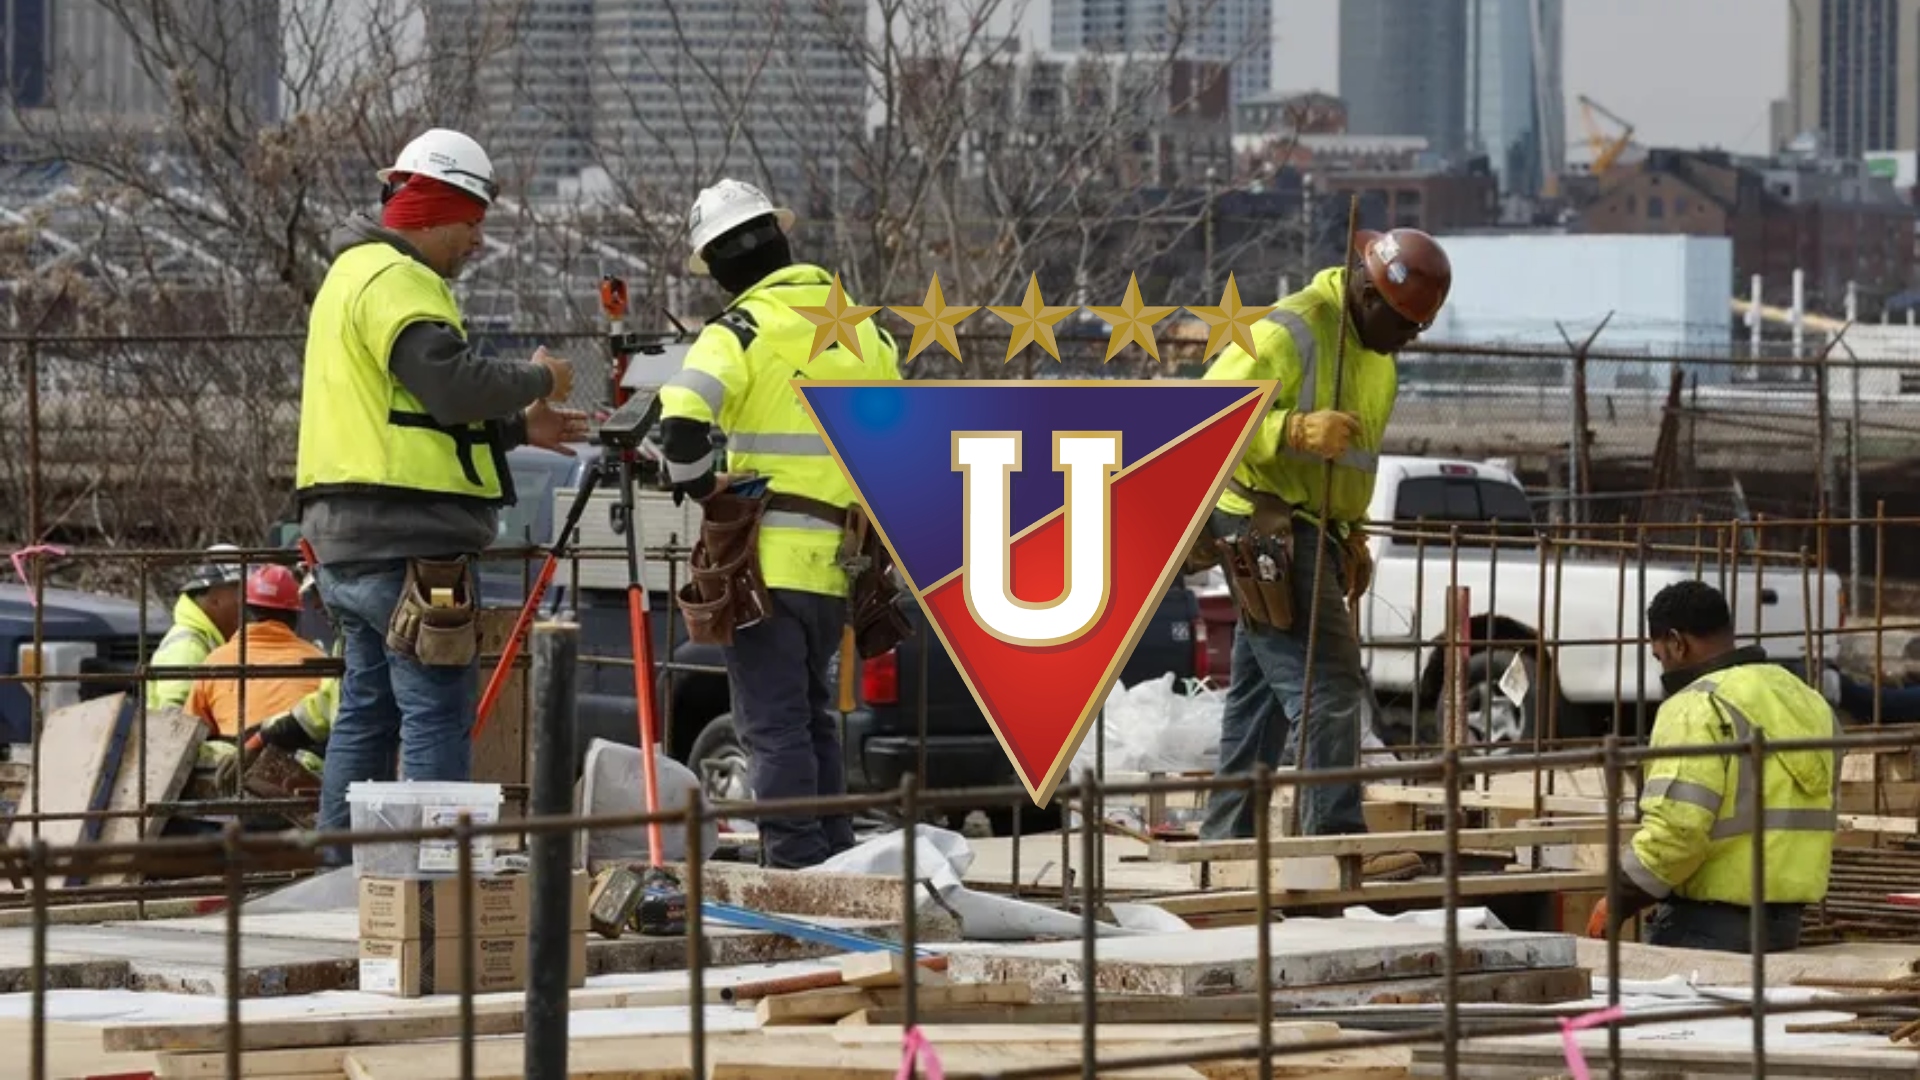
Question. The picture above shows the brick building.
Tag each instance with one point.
(1828, 219)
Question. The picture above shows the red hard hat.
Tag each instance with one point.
(1409, 269)
(273, 587)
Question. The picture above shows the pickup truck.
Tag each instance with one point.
(80, 634)
(882, 733)
(1403, 617)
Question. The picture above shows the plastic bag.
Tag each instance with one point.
(1153, 727)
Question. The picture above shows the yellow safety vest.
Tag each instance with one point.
(361, 431)
(185, 644)
(1298, 345)
(739, 377)
(1695, 830)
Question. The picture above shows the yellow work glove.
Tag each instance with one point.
(1359, 560)
(1325, 434)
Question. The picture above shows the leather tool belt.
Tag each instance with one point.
(1259, 563)
(726, 592)
(436, 622)
(877, 622)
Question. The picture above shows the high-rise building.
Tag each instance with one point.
(1469, 76)
(26, 32)
(659, 94)
(1855, 74)
(1403, 69)
(1516, 110)
(1234, 32)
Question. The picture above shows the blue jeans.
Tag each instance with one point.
(390, 706)
(1261, 719)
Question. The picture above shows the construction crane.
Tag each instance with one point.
(1605, 150)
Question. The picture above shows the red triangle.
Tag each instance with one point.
(1041, 700)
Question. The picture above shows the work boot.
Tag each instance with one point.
(1391, 866)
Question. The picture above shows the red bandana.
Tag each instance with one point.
(425, 202)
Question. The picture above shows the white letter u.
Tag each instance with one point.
(987, 459)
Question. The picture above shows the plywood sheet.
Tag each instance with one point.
(1305, 952)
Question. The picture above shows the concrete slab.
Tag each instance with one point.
(1305, 952)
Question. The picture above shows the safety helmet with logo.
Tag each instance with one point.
(1411, 272)
(273, 586)
(449, 157)
(722, 208)
(211, 574)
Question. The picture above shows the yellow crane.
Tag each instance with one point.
(1606, 150)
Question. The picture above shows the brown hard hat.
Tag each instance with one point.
(1409, 269)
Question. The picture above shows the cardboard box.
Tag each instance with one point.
(397, 909)
(433, 965)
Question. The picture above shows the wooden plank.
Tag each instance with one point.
(827, 1061)
(824, 1006)
(278, 1064)
(1293, 847)
(1304, 952)
(1416, 795)
(883, 969)
(1472, 885)
(67, 761)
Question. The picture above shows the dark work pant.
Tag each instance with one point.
(783, 712)
(1262, 717)
(1693, 924)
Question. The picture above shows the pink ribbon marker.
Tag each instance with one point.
(914, 1047)
(20, 566)
(1570, 1042)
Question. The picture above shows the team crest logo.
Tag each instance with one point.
(1038, 524)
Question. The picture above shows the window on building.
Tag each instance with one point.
(1679, 206)
(1656, 207)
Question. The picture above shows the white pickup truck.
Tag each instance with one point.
(1403, 617)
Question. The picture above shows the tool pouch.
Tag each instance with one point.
(727, 592)
(1259, 563)
(872, 608)
(436, 622)
(1204, 555)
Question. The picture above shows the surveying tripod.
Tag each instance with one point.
(619, 436)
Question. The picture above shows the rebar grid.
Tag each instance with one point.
(1455, 760)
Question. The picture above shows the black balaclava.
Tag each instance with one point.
(739, 258)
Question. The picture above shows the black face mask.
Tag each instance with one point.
(741, 258)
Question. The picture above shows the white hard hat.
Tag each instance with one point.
(450, 157)
(725, 206)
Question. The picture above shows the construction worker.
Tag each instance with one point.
(1268, 533)
(206, 613)
(402, 472)
(737, 378)
(273, 607)
(1693, 852)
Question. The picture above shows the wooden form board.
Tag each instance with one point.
(1290, 847)
(502, 752)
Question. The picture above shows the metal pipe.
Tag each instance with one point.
(556, 645)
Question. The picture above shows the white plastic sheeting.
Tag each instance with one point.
(612, 784)
(941, 857)
(1152, 726)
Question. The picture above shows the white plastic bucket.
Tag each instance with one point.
(379, 806)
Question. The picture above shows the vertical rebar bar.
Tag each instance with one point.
(1759, 577)
(236, 894)
(1813, 663)
(1419, 608)
(37, 973)
(1879, 604)
(1450, 959)
(31, 359)
(1263, 911)
(1553, 684)
(910, 890)
(1539, 673)
(469, 955)
(1757, 908)
(1089, 982)
(1611, 778)
(696, 956)
(1640, 642)
(556, 649)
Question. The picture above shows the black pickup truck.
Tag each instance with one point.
(882, 733)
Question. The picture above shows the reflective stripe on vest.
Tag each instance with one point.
(1307, 345)
(1740, 822)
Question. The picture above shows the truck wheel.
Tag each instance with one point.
(1492, 716)
(721, 762)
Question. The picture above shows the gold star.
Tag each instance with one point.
(1133, 321)
(1032, 322)
(1230, 319)
(933, 321)
(836, 323)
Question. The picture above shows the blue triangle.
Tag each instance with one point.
(895, 440)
